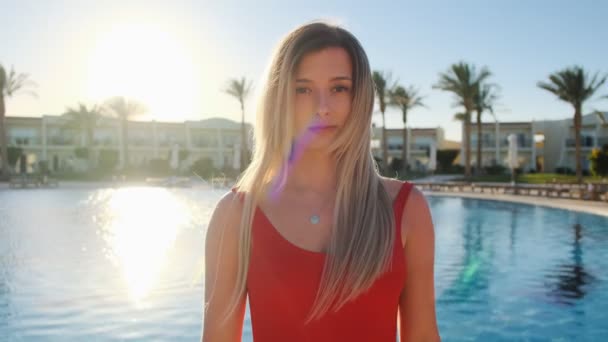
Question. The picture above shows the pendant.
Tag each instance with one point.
(314, 219)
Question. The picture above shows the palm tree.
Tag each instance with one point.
(10, 85)
(574, 86)
(84, 120)
(485, 98)
(406, 99)
(240, 89)
(462, 79)
(383, 85)
(124, 109)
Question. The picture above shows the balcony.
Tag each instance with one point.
(586, 142)
(105, 142)
(141, 142)
(394, 147)
(413, 147)
(169, 143)
(61, 141)
(602, 141)
(504, 143)
(23, 141)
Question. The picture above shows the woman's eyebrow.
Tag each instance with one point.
(337, 78)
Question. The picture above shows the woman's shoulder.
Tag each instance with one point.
(415, 212)
(393, 187)
(229, 208)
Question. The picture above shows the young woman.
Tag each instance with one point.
(323, 246)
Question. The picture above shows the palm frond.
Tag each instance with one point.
(14, 83)
(460, 116)
(486, 96)
(462, 80)
(573, 85)
(124, 108)
(383, 84)
(239, 88)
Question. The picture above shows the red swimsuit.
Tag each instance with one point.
(283, 279)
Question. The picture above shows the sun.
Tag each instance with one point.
(148, 64)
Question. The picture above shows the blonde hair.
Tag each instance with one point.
(361, 243)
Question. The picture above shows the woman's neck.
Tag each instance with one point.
(312, 171)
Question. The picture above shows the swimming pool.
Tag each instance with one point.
(82, 263)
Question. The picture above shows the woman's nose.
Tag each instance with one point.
(323, 104)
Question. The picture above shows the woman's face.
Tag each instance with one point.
(323, 95)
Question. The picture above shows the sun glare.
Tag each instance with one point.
(148, 64)
(140, 232)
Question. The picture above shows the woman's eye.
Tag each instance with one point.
(302, 90)
(340, 89)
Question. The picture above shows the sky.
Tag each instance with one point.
(177, 56)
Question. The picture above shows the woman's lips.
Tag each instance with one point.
(322, 128)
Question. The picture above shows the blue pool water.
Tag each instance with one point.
(90, 264)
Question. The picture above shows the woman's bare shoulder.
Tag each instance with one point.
(228, 211)
(392, 186)
(416, 214)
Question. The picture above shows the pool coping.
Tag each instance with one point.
(589, 207)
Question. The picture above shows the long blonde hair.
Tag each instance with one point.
(361, 243)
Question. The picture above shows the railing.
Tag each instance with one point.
(165, 143)
(141, 142)
(60, 141)
(205, 144)
(105, 142)
(19, 141)
(392, 147)
(489, 143)
(413, 147)
(585, 142)
(602, 141)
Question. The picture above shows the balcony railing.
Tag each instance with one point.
(585, 142)
(60, 141)
(167, 143)
(141, 142)
(602, 141)
(413, 147)
(105, 142)
(204, 144)
(20, 141)
(488, 143)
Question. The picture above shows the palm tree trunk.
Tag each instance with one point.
(89, 146)
(3, 143)
(384, 147)
(478, 171)
(577, 137)
(243, 139)
(467, 145)
(125, 144)
(405, 145)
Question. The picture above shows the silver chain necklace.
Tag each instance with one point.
(316, 218)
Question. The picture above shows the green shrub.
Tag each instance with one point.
(108, 159)
(599, 161)
(158, 167)
(445, 159)
(204, 168)
(81, 152)
(13, 154)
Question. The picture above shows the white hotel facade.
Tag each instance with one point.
(543, 146)
(47, 138)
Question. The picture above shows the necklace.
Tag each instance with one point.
(315, 218)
